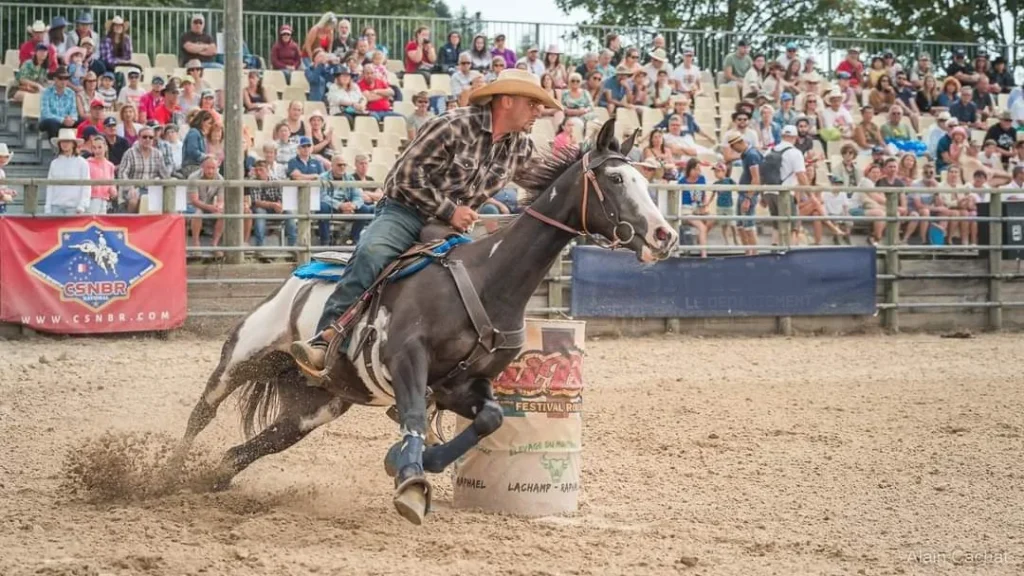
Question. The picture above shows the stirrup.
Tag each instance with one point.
(320, 377)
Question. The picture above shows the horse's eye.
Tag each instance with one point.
(616, 178)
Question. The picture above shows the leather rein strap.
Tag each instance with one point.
(489, 339)
(590, 179)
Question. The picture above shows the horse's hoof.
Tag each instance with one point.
(412, 499)
(391, 459)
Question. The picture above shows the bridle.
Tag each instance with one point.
(590, 179)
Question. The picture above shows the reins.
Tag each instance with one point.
(590, 179)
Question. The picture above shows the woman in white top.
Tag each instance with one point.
(754, 79)
(344, 98)
(68, 165)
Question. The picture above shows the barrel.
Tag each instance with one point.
(531, 465)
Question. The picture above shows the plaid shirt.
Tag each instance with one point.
(453, 161)
(54, 106)
(107, 51)
(271, 194)
(135, 166)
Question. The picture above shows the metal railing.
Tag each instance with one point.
(890, 249)
(157, 30)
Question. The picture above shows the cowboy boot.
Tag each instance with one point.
(311, 354)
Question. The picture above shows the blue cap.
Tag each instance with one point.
(958, 52)
(42, 46)
(790, 45)
(877, 150)
(58, 22)
(304, 141)
(110, 121)
(108, 74)
(158, 80)
(90, 132)
(786, 96)
(844, 75)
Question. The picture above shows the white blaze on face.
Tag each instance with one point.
(636, 195)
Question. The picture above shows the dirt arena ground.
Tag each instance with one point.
(859, 455)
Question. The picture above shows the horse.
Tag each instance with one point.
(429, 346)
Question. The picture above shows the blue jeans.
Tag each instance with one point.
(380, 116)
(259, 228)
(212, 65)
(359, 225)
(394, 229)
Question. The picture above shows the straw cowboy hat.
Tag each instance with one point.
(65, 135)
(515, 82)
(37, 27)
(4, 151)
(115, 21)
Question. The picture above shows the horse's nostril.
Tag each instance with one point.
(662, 233)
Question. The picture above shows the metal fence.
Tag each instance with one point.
(157, 30)
(890, 249)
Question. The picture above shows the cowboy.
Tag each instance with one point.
(438, 176)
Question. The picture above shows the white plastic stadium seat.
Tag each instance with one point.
(166, 62)
(440, 84)
(273, 81)
(359, 142)
(366, 125)
(404, 107)
(142, 59)
(413, 83)
(384, 155)
(388, 140)
(378, 171)
(12, 58)
(340, 126)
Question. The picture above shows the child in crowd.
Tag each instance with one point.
(725, 205)
(837, 206)
(107, 92)
(75, 60)
(131, 93)
(6, 194)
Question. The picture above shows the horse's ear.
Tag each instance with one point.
(606, 135)
(627, 144)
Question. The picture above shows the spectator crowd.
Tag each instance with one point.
(872, 122)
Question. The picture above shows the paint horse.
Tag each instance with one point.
(440, 335)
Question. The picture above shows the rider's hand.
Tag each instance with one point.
(463, 218)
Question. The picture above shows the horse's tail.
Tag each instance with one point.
(268, 391)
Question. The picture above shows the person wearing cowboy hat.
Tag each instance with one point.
(57, 37)
(615, 91)
(37, 36)
(836, 116)
(437, 177)
(659, 62)
(67, 165)
(83, 29)
(116, 46)
(533, 63)
(554, 67)
(6, 194)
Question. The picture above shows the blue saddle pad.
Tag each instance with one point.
(332, 272)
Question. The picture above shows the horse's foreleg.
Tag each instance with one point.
(301, 416)
(476, 402)
(412, 490)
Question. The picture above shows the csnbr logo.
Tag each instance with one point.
(94, 266)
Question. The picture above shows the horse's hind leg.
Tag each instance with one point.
(300, 415)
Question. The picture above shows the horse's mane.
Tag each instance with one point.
(538, 180)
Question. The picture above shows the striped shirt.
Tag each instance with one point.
(452, 161)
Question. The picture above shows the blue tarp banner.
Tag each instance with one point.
(806, 282)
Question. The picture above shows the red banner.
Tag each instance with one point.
(93, 274)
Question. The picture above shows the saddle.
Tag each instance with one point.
(437, 241)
